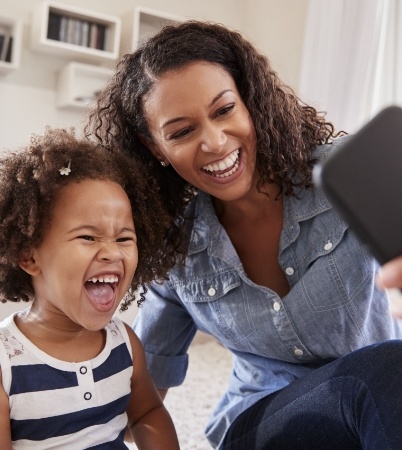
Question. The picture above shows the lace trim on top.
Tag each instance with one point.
(11, 344)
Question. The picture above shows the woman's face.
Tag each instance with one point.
(200, 125)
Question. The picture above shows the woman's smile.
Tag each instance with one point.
(226, 167)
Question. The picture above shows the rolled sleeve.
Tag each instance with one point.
(166, 330)
(167, 371)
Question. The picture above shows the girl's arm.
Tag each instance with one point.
(5, 429)
(149, 421)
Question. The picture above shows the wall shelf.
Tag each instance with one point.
(142, 23)
(63, 30)
(78, 84)
(10, 44)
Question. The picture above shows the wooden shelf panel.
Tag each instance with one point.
(142, 23)
(77, 33)
(78, 84)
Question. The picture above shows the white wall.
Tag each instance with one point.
(277, 28)
(27, 95)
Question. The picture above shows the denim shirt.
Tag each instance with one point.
(333, 306)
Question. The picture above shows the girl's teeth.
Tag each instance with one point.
(225, 164)
(109, 279)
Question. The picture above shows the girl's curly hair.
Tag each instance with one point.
(287, 129)
(29, 183)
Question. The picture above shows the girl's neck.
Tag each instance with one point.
(60, 337)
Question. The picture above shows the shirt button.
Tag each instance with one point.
(289, 271)
(211, 291)
(277, 306)
(87, 396)
(328, 245)
(298, 352)
(83, 370)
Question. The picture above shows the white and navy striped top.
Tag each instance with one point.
(57, 404)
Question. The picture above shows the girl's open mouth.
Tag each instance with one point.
(101, 291)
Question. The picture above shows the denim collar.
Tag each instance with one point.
(207, 230)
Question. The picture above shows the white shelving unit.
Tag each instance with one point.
(78, 84)
(10, 44)
(142, 23)
(63, 30)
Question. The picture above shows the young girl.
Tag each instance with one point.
(72, 375)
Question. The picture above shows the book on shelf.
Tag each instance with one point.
(6, 44)
(67, 29)
(53, 27)
(9, 49)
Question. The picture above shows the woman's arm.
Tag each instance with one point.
(149, 421)
(5, 429)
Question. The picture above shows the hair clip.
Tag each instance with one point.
(65, 170)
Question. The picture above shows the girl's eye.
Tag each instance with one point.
(86, 238)
(124, 239)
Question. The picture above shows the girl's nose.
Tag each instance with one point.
(109, 251)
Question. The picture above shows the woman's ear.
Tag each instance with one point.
(28, 264)
(154, 149)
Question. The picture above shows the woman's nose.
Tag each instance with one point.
(213, 139)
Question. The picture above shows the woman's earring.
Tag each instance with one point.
(163, 164)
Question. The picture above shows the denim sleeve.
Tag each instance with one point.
(166, 330)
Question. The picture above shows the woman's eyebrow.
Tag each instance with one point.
(214, 100)
(170, 121)
(217, 97)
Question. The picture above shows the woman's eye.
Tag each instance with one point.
(181, 133)
(225, 110)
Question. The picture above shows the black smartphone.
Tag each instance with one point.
(363, 180)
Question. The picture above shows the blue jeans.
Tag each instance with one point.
(354, 402)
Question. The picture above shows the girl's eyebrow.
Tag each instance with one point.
(214, 100)
(96, 229)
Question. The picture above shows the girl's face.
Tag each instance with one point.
(88, 256)
(200, 125)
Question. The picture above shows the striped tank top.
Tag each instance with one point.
(63, 405)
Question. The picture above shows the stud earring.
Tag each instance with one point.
(163, 164)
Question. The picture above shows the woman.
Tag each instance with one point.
(269, 268)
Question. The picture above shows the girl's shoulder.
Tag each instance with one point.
(120, 332)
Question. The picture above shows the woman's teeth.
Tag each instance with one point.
(230, 162)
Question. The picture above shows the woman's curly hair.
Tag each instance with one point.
(287, 130)
(30, 179)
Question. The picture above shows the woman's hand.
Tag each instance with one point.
(390, 278)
